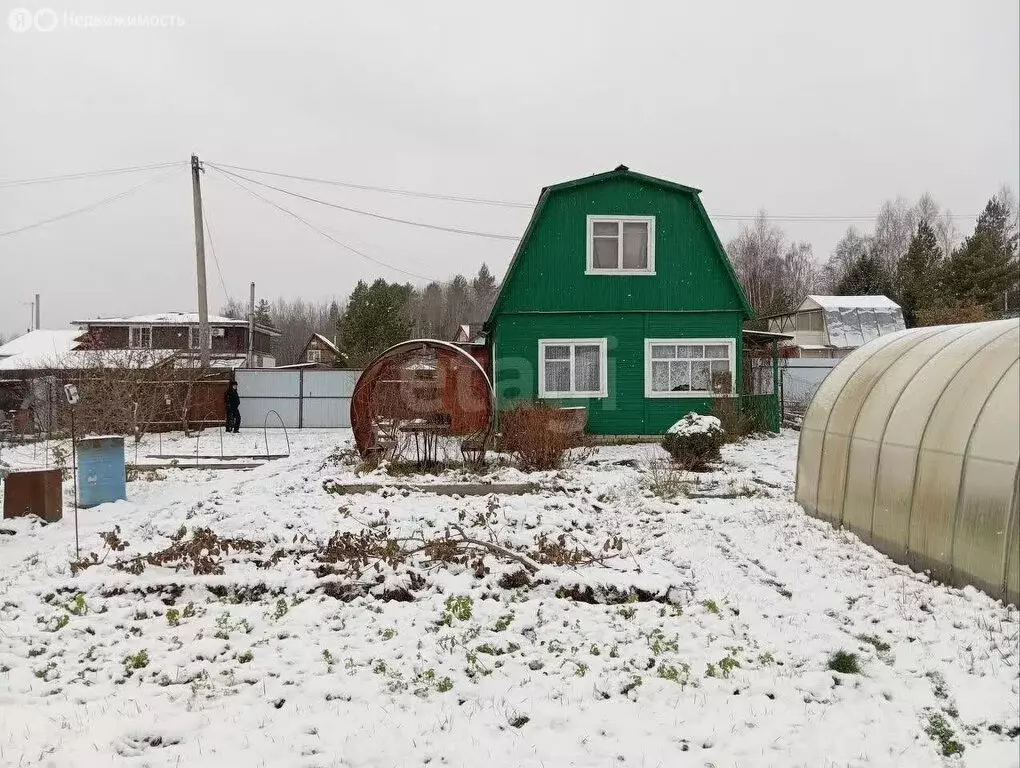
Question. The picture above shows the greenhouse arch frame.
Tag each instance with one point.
(913, 444)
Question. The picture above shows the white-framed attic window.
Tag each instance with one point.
(140, 337)
(621, 245)
(690, 367)
(572, 368)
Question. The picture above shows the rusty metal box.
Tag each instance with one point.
(36, 492)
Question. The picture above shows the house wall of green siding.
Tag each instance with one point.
(547, 294)
(626, 410)
(690, 269)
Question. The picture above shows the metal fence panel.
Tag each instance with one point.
(801, 378)
(263, 391)
(268, 383)
(310, 398)
(327, 413)
(255, 411)
(335, 383)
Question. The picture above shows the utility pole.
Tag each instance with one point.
(204, 338)
(37, 326)
(251, 326)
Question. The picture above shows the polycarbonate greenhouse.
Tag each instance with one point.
(913, 443)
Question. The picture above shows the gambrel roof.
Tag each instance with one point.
(620, 172)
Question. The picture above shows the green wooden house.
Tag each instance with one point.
(619, 298)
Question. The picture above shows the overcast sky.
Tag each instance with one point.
(804, 108)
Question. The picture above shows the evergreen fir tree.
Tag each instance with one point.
(918, 274)
(866, 275)
(983, 269)
(376, 318)
(483, 294)
(263, 313)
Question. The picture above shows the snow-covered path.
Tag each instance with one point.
(706, 641)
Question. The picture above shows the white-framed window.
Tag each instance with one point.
(572, 368)
(621, 245)
(140, 337)
(314, 356)
(689, 367)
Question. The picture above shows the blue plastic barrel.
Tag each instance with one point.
(101, 470)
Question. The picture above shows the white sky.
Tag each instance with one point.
(800, 108)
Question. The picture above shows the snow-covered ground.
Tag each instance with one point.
(703, 637)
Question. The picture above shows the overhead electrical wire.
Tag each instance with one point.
(371, 214)
(229, 169)
(89, 174)
(212, 248)
(228, 176)
(389, 190)
(91, 206)
(792, 218)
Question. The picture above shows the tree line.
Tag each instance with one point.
(914, 255)
(375, 316)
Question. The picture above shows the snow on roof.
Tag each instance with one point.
(856, 326)
(44, 356)
(162, 318)
(332, 347)
(37, 349)
(848, 302)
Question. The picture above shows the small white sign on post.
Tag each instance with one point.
(71, 393)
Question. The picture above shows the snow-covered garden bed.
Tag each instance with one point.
(259, 619)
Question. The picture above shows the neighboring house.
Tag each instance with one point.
(177, 334)
(469, 333)
(834, 326)
(322, 352)
(38, 349)
(471, 338)
(620, 298)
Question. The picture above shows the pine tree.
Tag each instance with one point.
(983, 269)
(334, 319)
(375, 318)
(866, 275)
(263, 314)
(483, 294)
(918, 274)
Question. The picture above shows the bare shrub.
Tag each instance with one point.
(737, 422)
(537, 436)
(132, 392)
(351, 564)
(952, 314)
(668, 479)
(200, 553)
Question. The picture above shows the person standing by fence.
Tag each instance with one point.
(233, 403)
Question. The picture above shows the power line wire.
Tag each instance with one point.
(792, 218)
(91, 206)
(787, 218)
(812, 219)
(389, 190)
(216, 261)
(228, 176)
(438, 227)
(88, 174)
